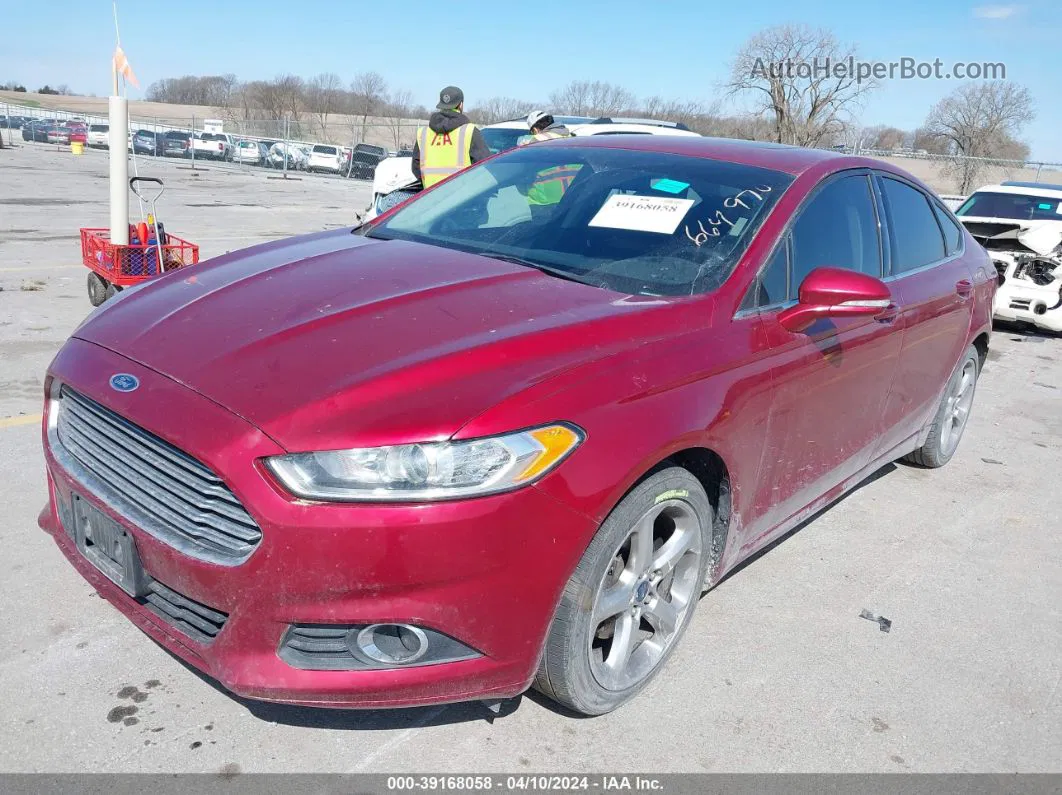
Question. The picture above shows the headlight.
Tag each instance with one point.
(430, 471)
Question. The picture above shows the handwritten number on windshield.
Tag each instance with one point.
(730, 203)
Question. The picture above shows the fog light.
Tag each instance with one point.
(390, 644)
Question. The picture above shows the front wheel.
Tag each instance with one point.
(631, 597)
(952, 415)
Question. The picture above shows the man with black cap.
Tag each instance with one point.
(449, 143)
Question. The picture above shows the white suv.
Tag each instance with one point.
(325, 158)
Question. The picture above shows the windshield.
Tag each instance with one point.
(1011, 205)
(635, 222)
(499, 139)
(324, 150)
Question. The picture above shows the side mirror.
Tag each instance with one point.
(835, 292)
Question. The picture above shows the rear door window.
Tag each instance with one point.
(952, 232)
(916, 237)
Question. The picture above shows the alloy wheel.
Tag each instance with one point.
(645, 595)
(957, 408)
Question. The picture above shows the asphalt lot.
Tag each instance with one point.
(777, 673)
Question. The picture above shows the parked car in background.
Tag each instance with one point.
(147, 142)
(250, 153)
(635, 384)
(99, 135)
(12, 122)
(324, 157)
(214, 145)
(1020, 224)
(28, 129)
(78, 132)
(57, 134)
(289, 154)
(176, 143)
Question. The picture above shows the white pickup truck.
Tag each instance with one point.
(214, 145)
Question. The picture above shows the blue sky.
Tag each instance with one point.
(674, 48)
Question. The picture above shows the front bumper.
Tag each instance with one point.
(486, 572)
(1021, 300)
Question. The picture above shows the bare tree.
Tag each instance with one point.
(497, 109)
(324, 97)
(791, 72)
(397, 112)
(596, 98)
(883, 137)
(980, 122)
(923, 140)
(368, 94)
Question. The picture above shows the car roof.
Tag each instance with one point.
(1044, 189)
(635, 128)
(780, 157)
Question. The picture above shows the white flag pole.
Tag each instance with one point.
(118, 131)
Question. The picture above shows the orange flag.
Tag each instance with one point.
(122, 67)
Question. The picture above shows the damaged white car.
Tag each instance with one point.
(1020, 224)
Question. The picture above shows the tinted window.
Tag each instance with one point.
(952, 232)
(632, 221)
(837, 229)
(917, 240)
(772, 286)
(324, 150)
(498, 139)
(99, 128)
(984, 204)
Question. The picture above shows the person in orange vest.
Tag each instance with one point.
(449, 143)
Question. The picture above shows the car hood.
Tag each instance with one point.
(334, 340)
(1039, 236)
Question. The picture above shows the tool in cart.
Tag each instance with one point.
(153, 217)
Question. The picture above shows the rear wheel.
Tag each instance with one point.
(952, 415)
(97, 288)
(631, 597)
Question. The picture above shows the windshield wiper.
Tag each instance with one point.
(538, 266)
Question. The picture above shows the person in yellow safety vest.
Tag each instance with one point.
(550, 183)
(449, 143)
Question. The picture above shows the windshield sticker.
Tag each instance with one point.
(642, 213)
(668, 185)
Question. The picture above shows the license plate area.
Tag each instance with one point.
(107, 546)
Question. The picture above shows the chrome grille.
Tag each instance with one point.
(159, 488)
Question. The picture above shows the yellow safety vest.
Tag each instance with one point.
(550, 184)
(443, 154)
(545, 135)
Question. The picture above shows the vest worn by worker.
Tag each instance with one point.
(550, 184)
(443, 154)
(545, 135)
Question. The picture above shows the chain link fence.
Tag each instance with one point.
(348, 148)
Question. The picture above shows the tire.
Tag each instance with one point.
(575, 669)
(111, 292)
(949, 422)
(97, 288)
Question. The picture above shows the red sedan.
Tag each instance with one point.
(506, 434)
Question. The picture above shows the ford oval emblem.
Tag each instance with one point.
(123, 382)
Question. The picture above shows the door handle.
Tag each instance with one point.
(888, 314)
(964, 287)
